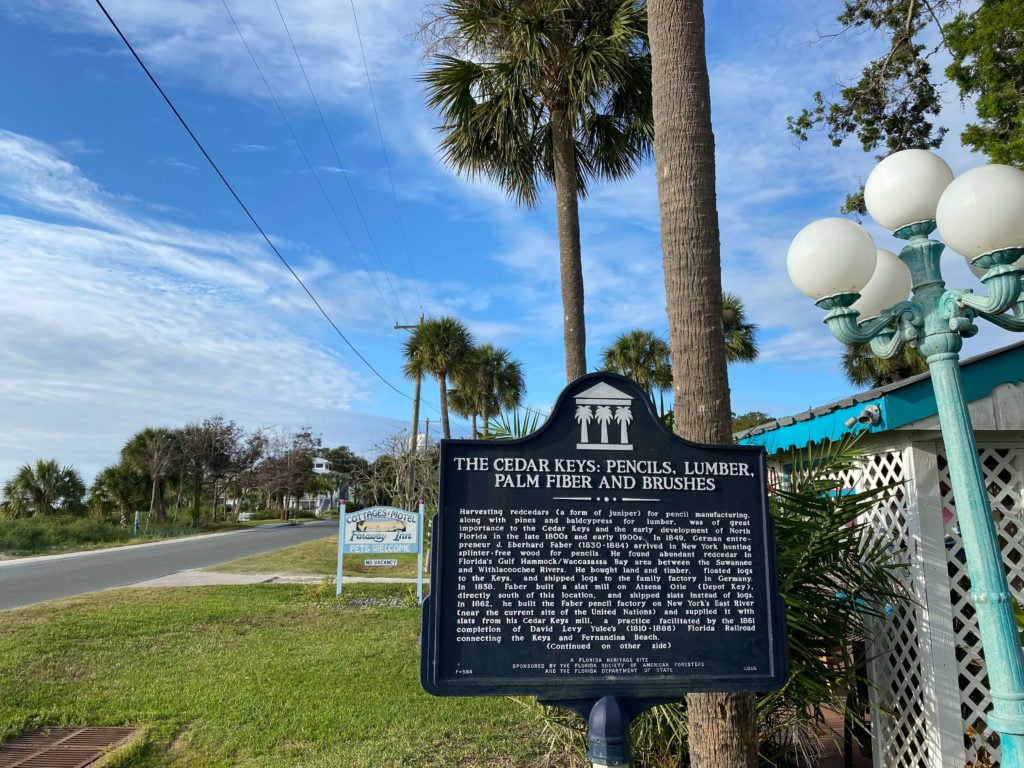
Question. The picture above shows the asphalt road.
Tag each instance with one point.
(35, 580)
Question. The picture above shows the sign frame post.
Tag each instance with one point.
(341, 547)
(419, 554)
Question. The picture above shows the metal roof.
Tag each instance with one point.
(901, 403)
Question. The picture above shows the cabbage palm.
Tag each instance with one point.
(153, 452)
(465, 403)
(861, 367)
(551, 91)
(740, 336)
(490, 382)
(440, 347)
(640, 355)
(44, 488)
(119, 488)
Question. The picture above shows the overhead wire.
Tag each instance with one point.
(337, 157)
(241, 204)
(384, 152)
(305, 157)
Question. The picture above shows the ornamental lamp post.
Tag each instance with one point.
(834, 261)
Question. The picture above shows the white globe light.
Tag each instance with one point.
(979, 272)
(983, 211)
(905, 187)
(831, 256)
(889, 285)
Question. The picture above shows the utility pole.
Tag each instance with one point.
(416, 392)
(415, 417)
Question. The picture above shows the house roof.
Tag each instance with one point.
(899, 404)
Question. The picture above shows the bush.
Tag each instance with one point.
(37, 534)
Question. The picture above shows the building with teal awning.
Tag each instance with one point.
(925, 666)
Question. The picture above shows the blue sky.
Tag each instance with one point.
(136, 293)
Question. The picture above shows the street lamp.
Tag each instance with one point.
(834, 261)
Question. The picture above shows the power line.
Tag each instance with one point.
(302, 151)
(337, 156)
(387, 163)
(241, 204)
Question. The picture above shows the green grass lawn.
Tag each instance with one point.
(257, 675)
(320, 557)
(11, 546)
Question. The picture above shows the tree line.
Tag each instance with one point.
(191, 471)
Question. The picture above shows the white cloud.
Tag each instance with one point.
(113, 321)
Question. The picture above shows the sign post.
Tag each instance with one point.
(419, 553)
(341, 540)
(602, 564)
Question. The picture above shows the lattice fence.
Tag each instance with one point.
(1004, 476)
(899, 724)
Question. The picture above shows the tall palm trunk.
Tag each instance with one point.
(486, 417)
(722, 725)
(156, 502)
(446, 430)
(569, 257)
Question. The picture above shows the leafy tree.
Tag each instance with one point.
(386, 480)
(988, 66)
(439, 346)
(749, 420)
(553, 91)
(344, 463)
(153, 451)
(862, 368)
(206, 451)
(43, 488)
(895, 102)
(721, 725)
(119, 490)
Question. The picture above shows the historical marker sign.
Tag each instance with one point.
(602, 556)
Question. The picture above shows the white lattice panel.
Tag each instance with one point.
(896, 666)
(1004, 477)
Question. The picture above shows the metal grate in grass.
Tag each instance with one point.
(61, 747)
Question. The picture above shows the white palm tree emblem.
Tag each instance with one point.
(624, 416)
(603, 415)
(583, 416)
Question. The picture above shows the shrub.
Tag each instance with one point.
(37, 534)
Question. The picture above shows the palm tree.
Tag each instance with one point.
(721, 725)
(501, 379)
(862, 368)
(584, 415)
(547, 91)
(489, 382)
(640, 355)
(153, 452)
(439, 346)
(464, 402)
(119, 487)
(44, 488)
(740, 336)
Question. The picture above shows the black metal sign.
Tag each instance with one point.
(602, 556)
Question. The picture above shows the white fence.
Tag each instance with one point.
(928, 676)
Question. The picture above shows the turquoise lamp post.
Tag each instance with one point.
(834, 261)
